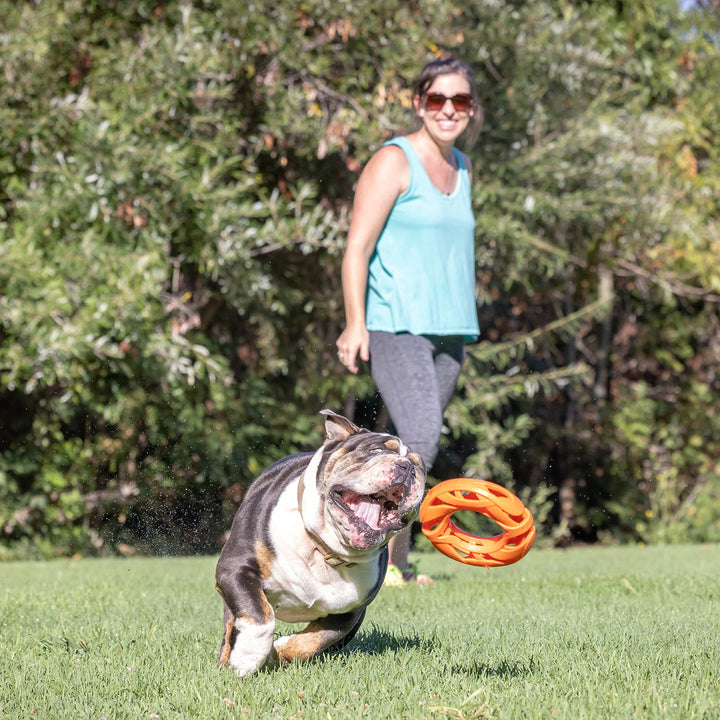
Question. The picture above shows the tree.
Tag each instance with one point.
(597, 226)
(175, 183)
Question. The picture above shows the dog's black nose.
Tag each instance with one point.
(404, 473)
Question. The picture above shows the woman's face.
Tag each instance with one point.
(446, 124)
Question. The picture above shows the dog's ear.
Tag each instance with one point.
(338, 427)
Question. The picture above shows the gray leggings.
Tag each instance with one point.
(416, 376)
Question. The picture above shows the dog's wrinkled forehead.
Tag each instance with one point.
(365, 442)
(346, 438)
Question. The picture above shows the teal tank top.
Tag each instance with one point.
(422, 273)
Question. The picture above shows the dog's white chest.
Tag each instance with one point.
(301, 586)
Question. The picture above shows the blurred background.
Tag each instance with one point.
(175, 184)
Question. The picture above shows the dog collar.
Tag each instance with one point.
(331, 558)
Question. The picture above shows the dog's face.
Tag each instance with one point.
(360, 488)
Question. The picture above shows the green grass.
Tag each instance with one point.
(590, 633)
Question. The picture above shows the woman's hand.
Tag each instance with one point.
(353, 343)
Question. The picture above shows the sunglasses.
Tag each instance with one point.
(462, 102)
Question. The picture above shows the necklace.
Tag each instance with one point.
(449, 183)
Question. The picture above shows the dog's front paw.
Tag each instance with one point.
(244, 666)
(251, 648)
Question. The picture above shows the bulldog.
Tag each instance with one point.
(308, 544)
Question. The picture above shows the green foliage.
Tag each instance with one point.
(598, 230)
(175, 185)
(138, 345)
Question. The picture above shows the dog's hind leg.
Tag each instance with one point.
(329, 633)
(343, 641)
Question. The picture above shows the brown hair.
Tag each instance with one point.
(447, 64)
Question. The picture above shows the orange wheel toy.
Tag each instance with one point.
(488, 499)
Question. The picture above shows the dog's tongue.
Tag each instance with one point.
(364, 508)
(369, 513)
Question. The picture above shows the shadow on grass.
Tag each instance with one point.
(376, 641)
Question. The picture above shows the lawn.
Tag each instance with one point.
(592, 633)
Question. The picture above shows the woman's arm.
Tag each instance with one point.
(386, 176)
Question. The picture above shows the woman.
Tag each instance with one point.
(408, 272)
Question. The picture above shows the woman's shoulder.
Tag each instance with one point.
(399, 141)
(390, 165)
(393, 152)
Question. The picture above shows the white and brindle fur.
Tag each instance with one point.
(308, 544)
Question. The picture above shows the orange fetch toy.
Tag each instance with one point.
(488, 499)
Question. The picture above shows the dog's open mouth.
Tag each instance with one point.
(378, 512)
